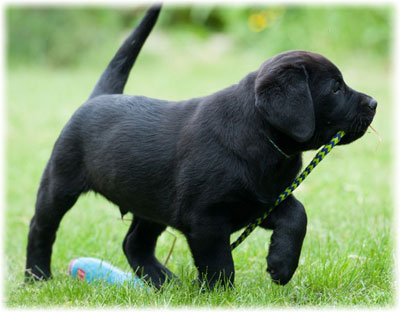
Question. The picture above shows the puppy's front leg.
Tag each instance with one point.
(288, 222)
(210, 246)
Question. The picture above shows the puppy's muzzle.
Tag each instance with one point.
(372, 104)
(361, 120)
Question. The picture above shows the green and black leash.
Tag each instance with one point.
(316, 160)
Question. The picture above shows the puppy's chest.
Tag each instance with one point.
(275, 177)
(267, 184)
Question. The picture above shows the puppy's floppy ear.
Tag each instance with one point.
(284, 97)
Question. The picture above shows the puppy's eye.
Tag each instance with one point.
(336, 87)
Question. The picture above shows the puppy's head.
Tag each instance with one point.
(303, 95)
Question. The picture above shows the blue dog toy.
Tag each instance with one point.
(93, 269)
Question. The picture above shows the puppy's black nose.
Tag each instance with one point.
(372, 104)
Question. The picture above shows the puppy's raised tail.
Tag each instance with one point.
(113, 79)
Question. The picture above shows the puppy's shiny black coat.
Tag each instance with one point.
(204, 166)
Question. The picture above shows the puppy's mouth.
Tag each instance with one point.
(357, 129)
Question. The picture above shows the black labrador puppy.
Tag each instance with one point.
(206, 166)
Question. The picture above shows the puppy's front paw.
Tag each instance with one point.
(280, 271)
(279, 276)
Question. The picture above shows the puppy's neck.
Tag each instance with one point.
(278, 149)
(282, 144)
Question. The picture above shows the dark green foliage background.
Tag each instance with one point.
(66, 36)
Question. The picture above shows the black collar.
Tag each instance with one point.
(278, 149)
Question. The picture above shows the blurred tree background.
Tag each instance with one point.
(65, 36)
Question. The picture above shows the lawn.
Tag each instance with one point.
(347, 257)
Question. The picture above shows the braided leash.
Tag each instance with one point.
(317, 158)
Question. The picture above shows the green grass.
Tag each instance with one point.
(347, 258)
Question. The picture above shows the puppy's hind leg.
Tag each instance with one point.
(57, 194)
(139, 246)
